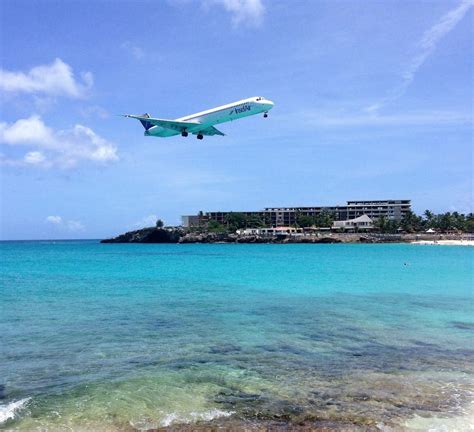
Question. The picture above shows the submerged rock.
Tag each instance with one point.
(463, 325)
(225, 349)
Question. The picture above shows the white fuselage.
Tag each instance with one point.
(215, 116)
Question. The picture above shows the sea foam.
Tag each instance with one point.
(9, 411)
(194, 417)
(180, 418)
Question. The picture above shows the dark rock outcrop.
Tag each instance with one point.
(148, 235)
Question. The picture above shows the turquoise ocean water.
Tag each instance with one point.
(130, 337)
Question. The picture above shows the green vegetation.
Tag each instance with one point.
(235, 221)
(322, 220)
(386, 226)
(304, 220)
(214, 226)
(256, 222)
(443, 222)
(160, 223)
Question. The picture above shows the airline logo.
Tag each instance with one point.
(240, 109)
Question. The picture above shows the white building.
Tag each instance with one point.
(270, 231)
(360, 223)
(248, 231)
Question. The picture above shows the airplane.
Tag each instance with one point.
(202, 123)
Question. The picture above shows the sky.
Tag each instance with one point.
(373, 100)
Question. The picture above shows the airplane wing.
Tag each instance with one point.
(211, 130)
(176, 125)
(168, 124)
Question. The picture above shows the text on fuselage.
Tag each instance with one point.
(241, 109)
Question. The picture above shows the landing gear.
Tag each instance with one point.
(184, 133)
(265, 115)
(200, 136)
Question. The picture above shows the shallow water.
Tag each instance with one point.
(136, 337)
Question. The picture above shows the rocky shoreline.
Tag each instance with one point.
(177, 235)
(181, 235)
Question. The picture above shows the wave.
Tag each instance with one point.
(180, 418)
(192, 417)
(9, 411)
(459, 418)
(460, 423)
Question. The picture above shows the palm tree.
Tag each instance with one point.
(410, 222)
(382, 224)
(429, 217)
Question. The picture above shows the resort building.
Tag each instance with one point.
(361, 223)
(287, 216)
(190, 221)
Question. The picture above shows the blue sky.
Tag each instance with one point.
(372, 100)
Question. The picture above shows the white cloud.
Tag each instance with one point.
(426, 118)
(134, 50)
(65, 148)
(147, 221)
(74, 225)
(55, 79)
(426, 46)
(69, 225)
(432, 36)
(34, 157)
(249, 12)
(94, 111)
(56, 220)
(27, 131)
